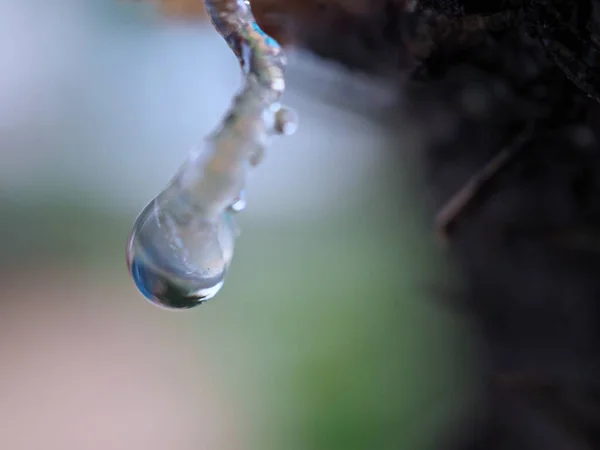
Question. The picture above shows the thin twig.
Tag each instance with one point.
(461, 200)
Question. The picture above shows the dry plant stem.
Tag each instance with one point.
(457, 204)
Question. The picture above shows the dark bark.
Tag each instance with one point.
(526, 232)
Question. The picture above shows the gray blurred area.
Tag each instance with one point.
(327, 333)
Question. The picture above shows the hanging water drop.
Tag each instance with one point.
(179, 263)
(182, 243)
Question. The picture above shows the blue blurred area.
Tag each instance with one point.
(326, 334)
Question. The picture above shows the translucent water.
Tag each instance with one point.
(240, 203)
(182, 243)
(179, 262)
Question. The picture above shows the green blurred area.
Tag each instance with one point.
(323, 332)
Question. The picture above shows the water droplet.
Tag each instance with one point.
(286, 121)
(177, 257)
(240, 203)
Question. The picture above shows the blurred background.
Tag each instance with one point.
(327, 334)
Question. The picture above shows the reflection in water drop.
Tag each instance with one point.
(179, 261)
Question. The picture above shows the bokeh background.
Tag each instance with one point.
(328, 333)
